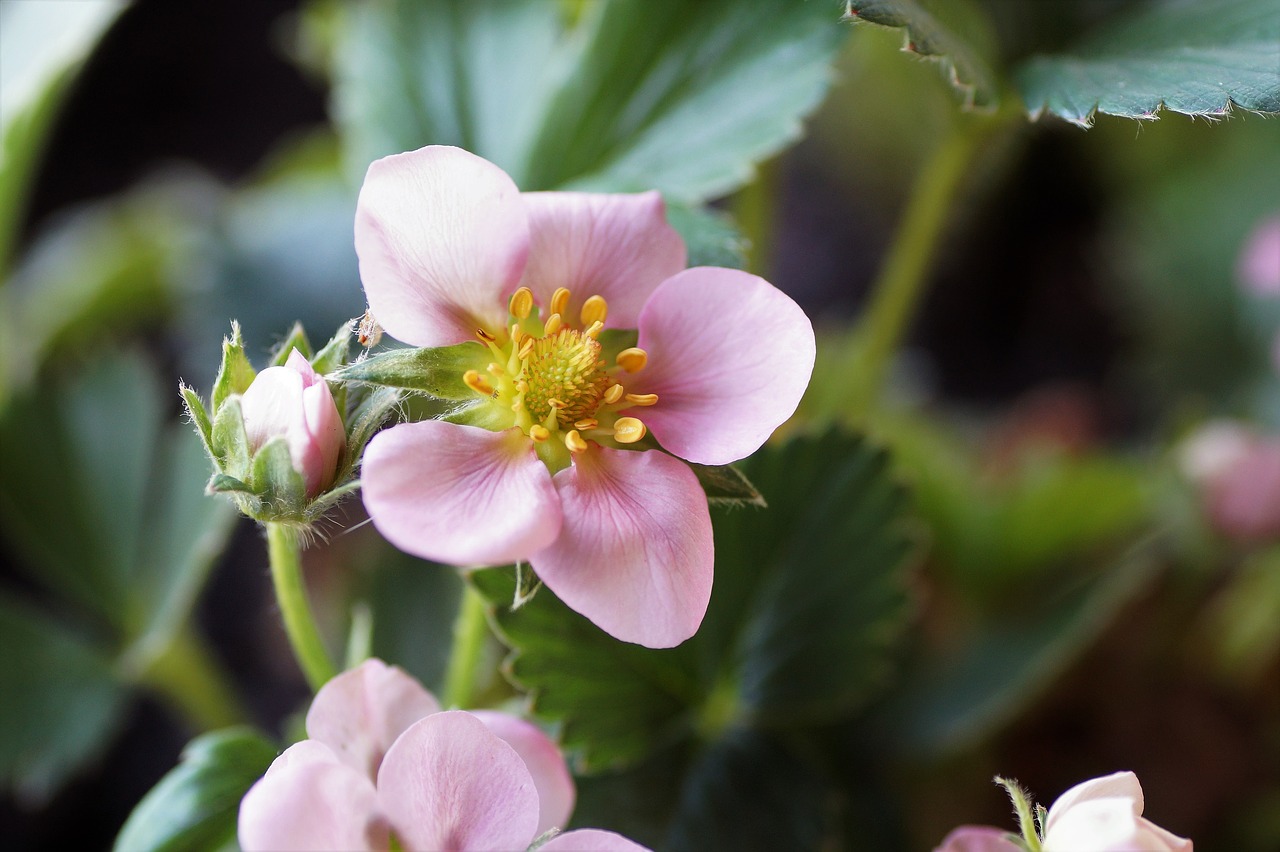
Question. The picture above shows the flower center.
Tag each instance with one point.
(551, 378)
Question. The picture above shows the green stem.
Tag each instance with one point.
(897, 290)
(187, 676)
(470, 630)
(285, 553)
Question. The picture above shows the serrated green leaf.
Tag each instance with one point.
(710, 236)
(951, 33)
(235, 374)
(435, 371)
(274, 479)
(61, 701)
(195, 805)
(295, 339)
(1182, 55)
(626, 95)
(819, 576)
(230, 441)
(726, 484)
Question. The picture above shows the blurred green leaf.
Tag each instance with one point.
(1181, 55)
(710, 236)
(196, 804)
(808, 603)
(626, 95)
(42, 46)
(61, 701)
(952, 33)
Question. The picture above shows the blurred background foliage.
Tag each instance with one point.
(1000, 568)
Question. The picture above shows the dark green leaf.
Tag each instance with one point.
(196, 804)
(436, 372)
(950, 32)
(296, 339)
(710, 236)
(726, 484)
(236, 373)
(614, 340)
(1182, 55)
(61, 702)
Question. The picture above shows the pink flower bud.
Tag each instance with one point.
(294, 401)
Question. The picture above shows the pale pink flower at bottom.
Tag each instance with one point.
(978, 838)
(551, 463)
(384, 762)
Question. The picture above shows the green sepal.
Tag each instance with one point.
(472, 413)
(236, 373)
(362, 422)
(296, 339)
(196, 804)
(274, 480)
(727, 485)
(333, 355)
(614, 340)
(230, 441)
(435, 371)
(199, 417)
(220, 483)
(331, 498)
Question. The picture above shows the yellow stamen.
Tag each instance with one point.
(575, 442)
(642, 398)
(633, 360)
(586, 423)
(477, 382)
(614, 393)
(495, 369)
(521, 304)
(485, 336)
(516, 335)
(556, 404)
(594, 310)
(628, 430)
(559, 301)
(594, 330)
(553, 324)
(539, 433)
(526, 347)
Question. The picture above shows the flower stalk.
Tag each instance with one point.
(285, 554)
(470, 630)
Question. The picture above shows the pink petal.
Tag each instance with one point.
(1104, 824)
(272, 406)
(448, 783)
(324, 436)
(616, 246)
(442, 237)
(312, 805)
(1152, 836)
(978, 838)
(730, 355)
(360, 713)
(301, 753)
(591, 840)
(1116, 785)
(459, 494)
(556, 793)
(635, 553)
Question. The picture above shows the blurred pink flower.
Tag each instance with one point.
(1258, 267)
(978, 838)
(384, 761)
(1105, 815)
(553, 467)
(1238, 473)
(294, 401)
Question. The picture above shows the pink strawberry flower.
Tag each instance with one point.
(555, 465)
(384, 763)
(294, 401)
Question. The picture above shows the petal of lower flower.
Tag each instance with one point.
(616, 246)
(360, 713)
(730, 355)
(591, 840)
(556, 792)
(459, 494)
(312, 805)
(449, 783)
(635, 554)
(442, 237)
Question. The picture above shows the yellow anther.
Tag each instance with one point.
(586, 423)
(628, 430)
(559, 301)
(539, 433)
(642, 398)
(522, 386)
(521, 304)
(516, 334)
(557, 404)
(496, 369)
(614, 393)
(553, 324)
(594, 310)
(633, 360)
(477, 382)
(575, 442)
(526, 347)
(594, 330)
(485, 336)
